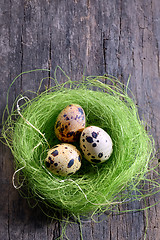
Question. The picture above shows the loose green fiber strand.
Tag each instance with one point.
(93, 189)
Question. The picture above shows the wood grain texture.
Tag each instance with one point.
(91, 36)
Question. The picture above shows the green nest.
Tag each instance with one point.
(94, 188)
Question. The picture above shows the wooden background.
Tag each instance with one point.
(120, 37)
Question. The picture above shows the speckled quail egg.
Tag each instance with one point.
(70, 123)
(96, 144)
(63, 159)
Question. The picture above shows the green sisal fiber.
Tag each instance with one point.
(94, 188)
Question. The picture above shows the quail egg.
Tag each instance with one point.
(63, 159)
(96, 144)
(70, 123)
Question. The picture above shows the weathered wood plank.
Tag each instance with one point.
(95, 37)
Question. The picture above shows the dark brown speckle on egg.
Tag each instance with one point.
(70, 134)
(76, 117)
(94, 135)
(51, 161)
(71, 162)
(81, 110)
(58, 124)
(94, 145)
(47, 164)
(55, 153)
(100, 155)
(89, 139)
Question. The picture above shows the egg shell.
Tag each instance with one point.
(63, 159)
(96, 144)
(70, 123)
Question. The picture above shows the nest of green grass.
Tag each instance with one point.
(29, 132)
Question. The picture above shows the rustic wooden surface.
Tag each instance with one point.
(120, 37)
